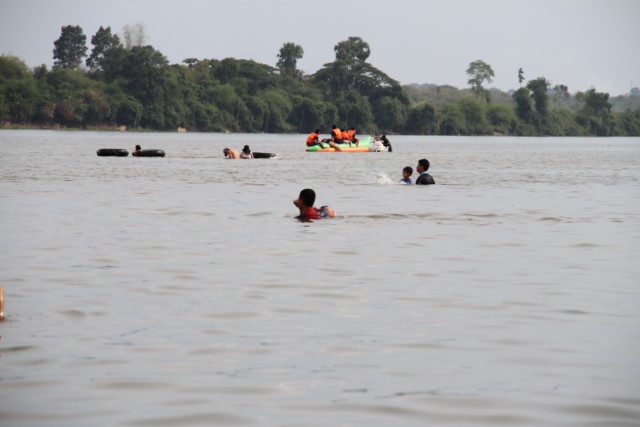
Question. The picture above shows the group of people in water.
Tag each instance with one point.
(231, 153)
(307, 197)
(423, 179)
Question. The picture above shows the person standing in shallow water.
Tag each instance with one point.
(422, 168)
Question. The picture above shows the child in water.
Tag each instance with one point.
(406, 175)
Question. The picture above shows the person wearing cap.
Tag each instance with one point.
(230, 153)
(422, 168)
(246, 153)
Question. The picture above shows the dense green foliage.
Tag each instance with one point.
(135, 85)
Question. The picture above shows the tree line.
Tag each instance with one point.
(129, 83)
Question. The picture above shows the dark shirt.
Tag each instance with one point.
(425, 179)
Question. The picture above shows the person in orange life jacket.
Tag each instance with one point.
(351, 136)
(345, 137)
(336, 134)
(314, 139)
(308, 212)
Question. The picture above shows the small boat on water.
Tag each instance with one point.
(366, 144)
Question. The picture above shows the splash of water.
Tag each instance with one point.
(383, 179)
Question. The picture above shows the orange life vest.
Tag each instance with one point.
(336, 133)
(351, 134)
(312, 138)
(344, 135)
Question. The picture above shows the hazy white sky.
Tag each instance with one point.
(579, 43)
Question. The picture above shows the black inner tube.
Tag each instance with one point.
(148, 153)
(112, 152)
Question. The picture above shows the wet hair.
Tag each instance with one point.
(317, 131)
(424, 163)
(246, 149)
(308, 197)
(408, 170)
(138, 147)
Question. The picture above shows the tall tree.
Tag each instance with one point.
(191, 61)
(561, 92)
(70, 48)
(288, 57)
(524, 109)
(520, 76)
(539, 88)
(102, 41)
(479, 72)
(352, 50)
(351, 72)
(134, 35)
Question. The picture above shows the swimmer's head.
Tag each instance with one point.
(308, 197)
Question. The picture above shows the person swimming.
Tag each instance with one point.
(246, 153)
(308, 212)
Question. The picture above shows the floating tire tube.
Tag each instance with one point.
(263, 155)
(113, 152)
(1, 304)
(148, 153)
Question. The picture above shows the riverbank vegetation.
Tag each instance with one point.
(130, 84)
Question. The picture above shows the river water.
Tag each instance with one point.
(180, 291)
